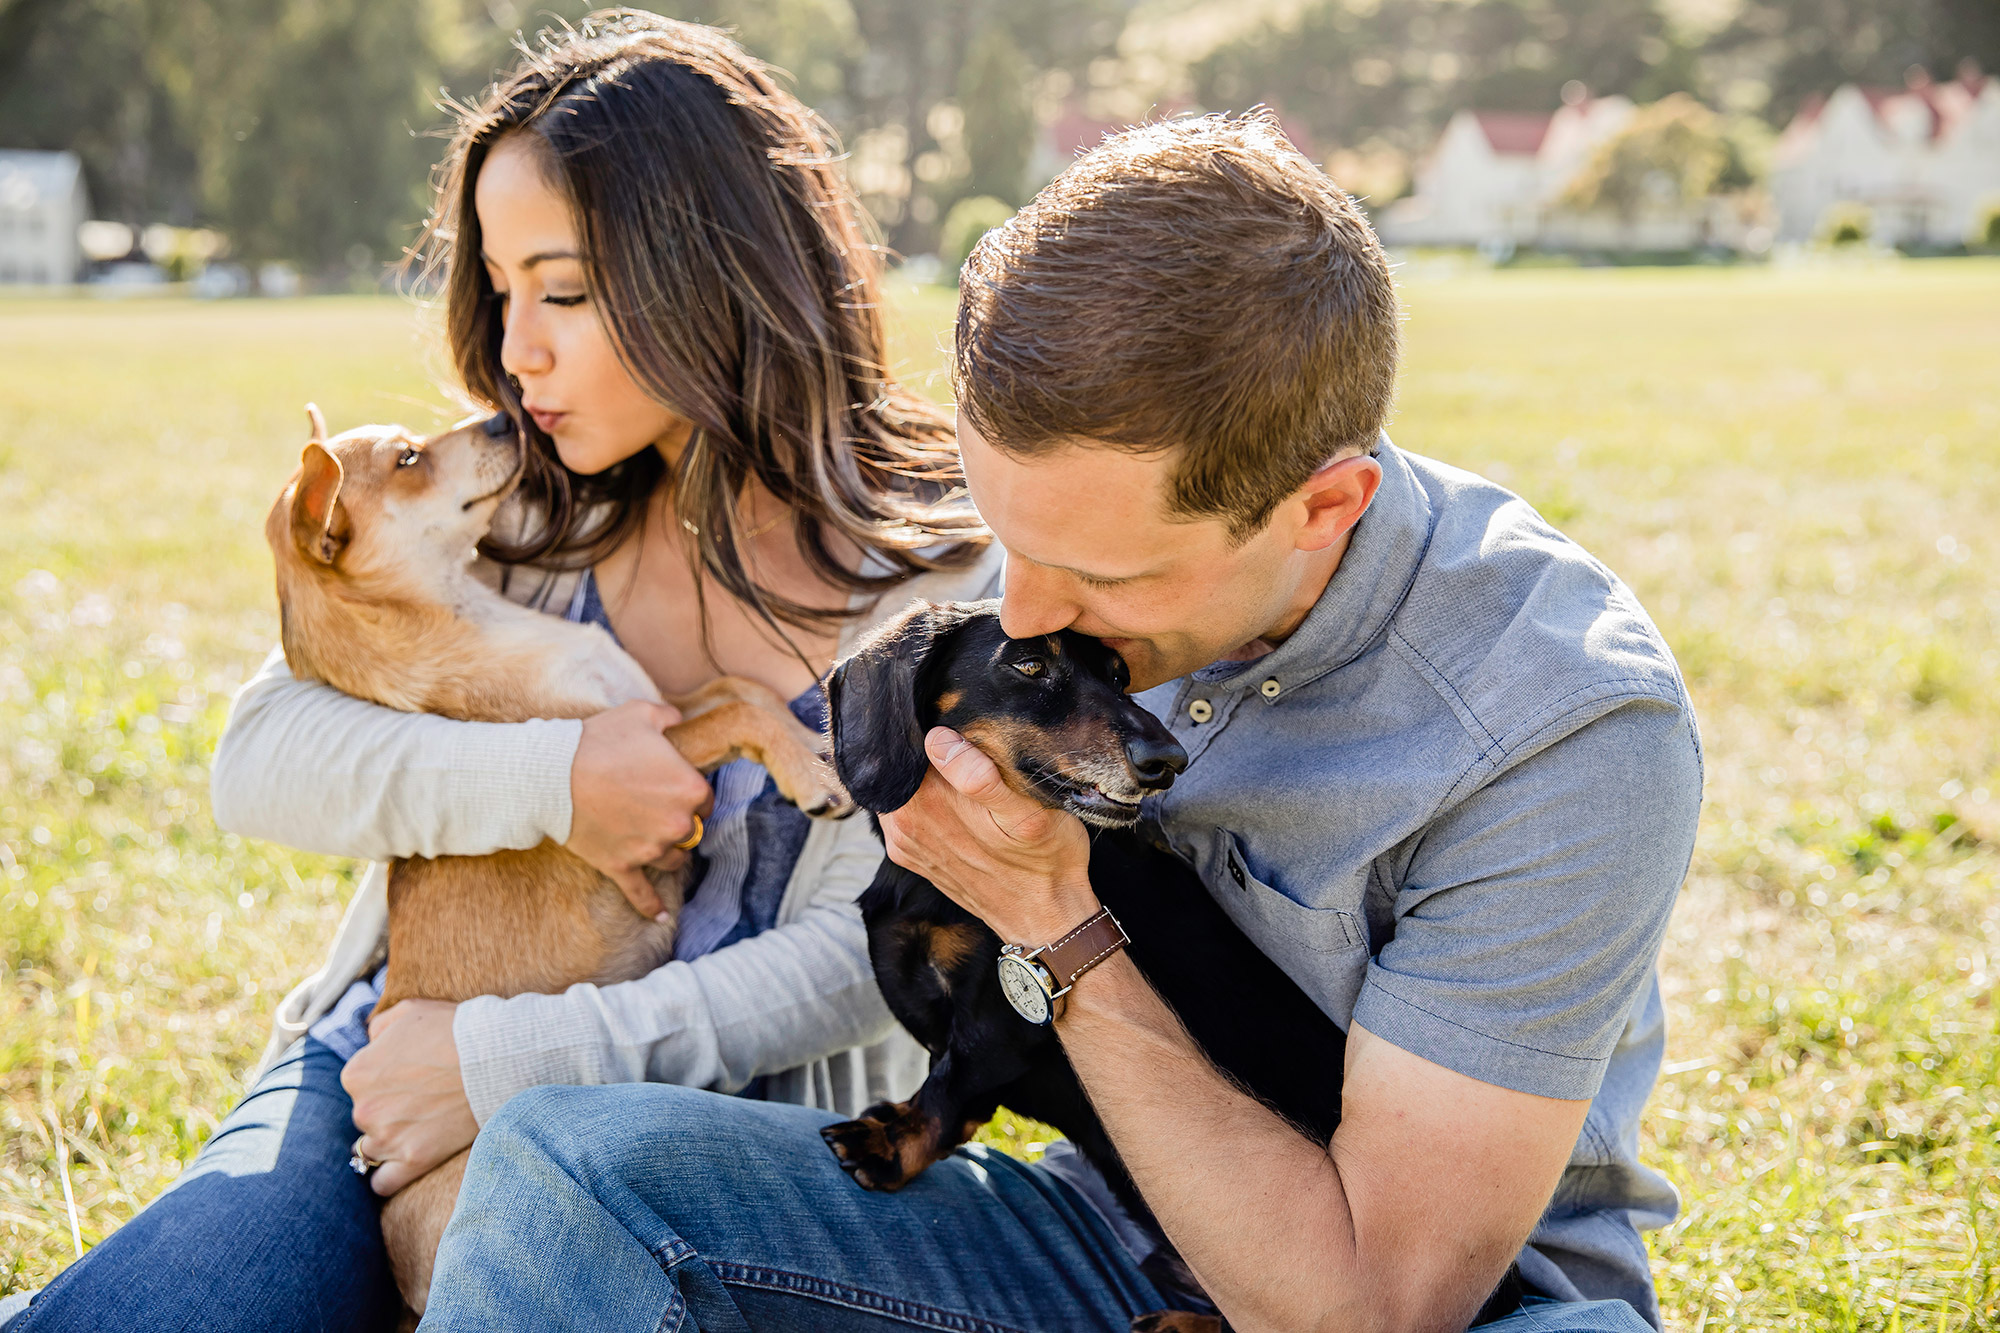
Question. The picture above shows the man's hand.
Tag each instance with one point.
(633, 797)
(1021, 868)
(409, 1097)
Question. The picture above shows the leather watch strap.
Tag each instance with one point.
(1084, 948)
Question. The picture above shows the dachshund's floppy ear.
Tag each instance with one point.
(873, 708)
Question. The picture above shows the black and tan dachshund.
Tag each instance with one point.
(1053, 714)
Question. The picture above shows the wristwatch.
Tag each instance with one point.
(1034, 979)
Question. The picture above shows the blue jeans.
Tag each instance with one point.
(267, 1230)
(658, 1209)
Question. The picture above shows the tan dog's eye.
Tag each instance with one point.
(408, 458)
(1030, 667)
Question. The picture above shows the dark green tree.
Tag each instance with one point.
(298, 127)
(814, 42)
(1346, 74)
(98, 78)
(913, 56)
(999, 120)
(329, 124)
(1807, 47)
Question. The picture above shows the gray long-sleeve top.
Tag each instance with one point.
(302, 764)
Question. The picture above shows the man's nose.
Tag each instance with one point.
(1033, 603)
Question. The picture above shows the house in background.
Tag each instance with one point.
(1493, 178)
(1924, 161)
(42, 203)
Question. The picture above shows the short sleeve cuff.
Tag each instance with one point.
(1406, 1023)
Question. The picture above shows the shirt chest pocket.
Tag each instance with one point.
(1323, 949)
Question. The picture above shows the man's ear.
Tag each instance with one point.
(873, 708)
(319, 523)
(1336, 497)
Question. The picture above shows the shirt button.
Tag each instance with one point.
(1200, 710)
(1269, 689)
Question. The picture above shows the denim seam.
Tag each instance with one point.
(674, 1253)
(1553, 720)
(1390, 991)
(1606, 1151)
(1694, 735)
(671, 1256)
(1453, 699)
(914, 1313)
(1622, 690)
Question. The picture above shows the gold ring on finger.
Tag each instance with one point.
(692, 840)
(360, 1162)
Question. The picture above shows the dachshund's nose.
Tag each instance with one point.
(1155, 760)
(498, 424)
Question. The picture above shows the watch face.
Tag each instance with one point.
(1023, 989)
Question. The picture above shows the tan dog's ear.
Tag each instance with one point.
(319, 523)
(317, 422)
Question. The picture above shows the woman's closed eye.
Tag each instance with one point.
(553, 299)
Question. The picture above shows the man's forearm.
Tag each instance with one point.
(1256, 1209)
(1282, 1232)
(1405, 1221)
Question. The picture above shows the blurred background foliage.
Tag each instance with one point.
(304, 130)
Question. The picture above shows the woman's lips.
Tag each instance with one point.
(547, 421)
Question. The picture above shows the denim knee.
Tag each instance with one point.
(594, 1131)
(526, 1112)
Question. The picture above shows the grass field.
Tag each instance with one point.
(1795, 470)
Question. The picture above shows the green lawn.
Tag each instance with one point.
(1796, 470)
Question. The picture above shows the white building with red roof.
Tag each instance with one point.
(1493, 177)
(1923, 160)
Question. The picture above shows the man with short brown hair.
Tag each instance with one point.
(1443, 772)
(1194, 287)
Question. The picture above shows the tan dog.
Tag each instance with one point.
(373, 539)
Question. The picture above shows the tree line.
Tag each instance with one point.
(306, 129)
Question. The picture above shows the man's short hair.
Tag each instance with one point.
(1194, 285)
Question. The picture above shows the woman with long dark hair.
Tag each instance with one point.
(651, 259)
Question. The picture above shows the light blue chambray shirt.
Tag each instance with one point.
(1456, 806)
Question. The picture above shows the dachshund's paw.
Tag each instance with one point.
(887, 1148)
(1178, 1321)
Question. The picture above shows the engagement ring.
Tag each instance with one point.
(360, 1161)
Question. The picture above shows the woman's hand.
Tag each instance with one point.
(633, 797)
(409, 1097)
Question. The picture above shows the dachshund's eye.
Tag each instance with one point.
(408, 458)
(1031, 667)
(1120, 674)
